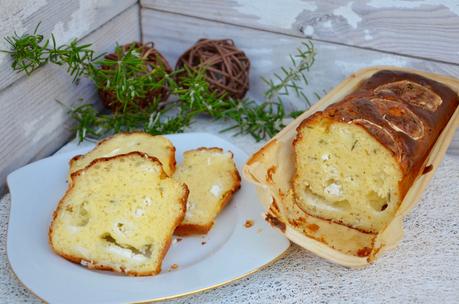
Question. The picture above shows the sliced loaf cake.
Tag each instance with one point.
(356, 160)
(119, 214)
(212, 178)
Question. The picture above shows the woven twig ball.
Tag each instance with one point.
(226, 66)
(152, 58)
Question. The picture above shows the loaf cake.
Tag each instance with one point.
(212, 178)
(156, 146)
(119, 214)
(356, 160)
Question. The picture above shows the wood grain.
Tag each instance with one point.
(173, 34)
(33, 124)
(67, 19)
(422, 28)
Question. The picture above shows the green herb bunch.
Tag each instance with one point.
(129, 78)
(31, 51)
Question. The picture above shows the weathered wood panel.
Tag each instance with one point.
(33, 124)
(173, 34)
(422, 28)
(67, 19)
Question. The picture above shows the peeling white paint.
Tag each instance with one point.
(12, 16)
(80, 21)
(308, 30)
(367, 35)
(44, 125)
(275, 13)
(347, 67)
(327, 24)
(452, 5)
(351, 17)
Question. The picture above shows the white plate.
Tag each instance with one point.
(231, 250)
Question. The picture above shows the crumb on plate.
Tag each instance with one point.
(248, 223)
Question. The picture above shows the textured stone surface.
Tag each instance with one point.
(422, 269)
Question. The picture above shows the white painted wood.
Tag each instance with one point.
(423, 28)
(173, 34)
(33, 124)
(67, 19)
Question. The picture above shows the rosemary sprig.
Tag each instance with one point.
(259, 120)
(194, 98)
(31, 51)
(293, 77)
(130, 78)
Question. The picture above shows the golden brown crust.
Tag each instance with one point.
(104, 159)
(405, 112)
(191, 229)
(74, 159)
(229, 194)
(172, 160)
(91, 264)
(210, 149)
(126, 133)
(176, 224)
(275, 222)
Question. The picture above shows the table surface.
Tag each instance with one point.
(424, 268)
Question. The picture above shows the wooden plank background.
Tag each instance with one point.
(174, 33)
(33, 124)
(67, 19)
(419, 28)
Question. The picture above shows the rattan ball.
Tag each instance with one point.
(152, 58)
(226, 66)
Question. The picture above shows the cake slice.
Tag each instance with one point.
(122, 143)
(212, 178)
(119, 214)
